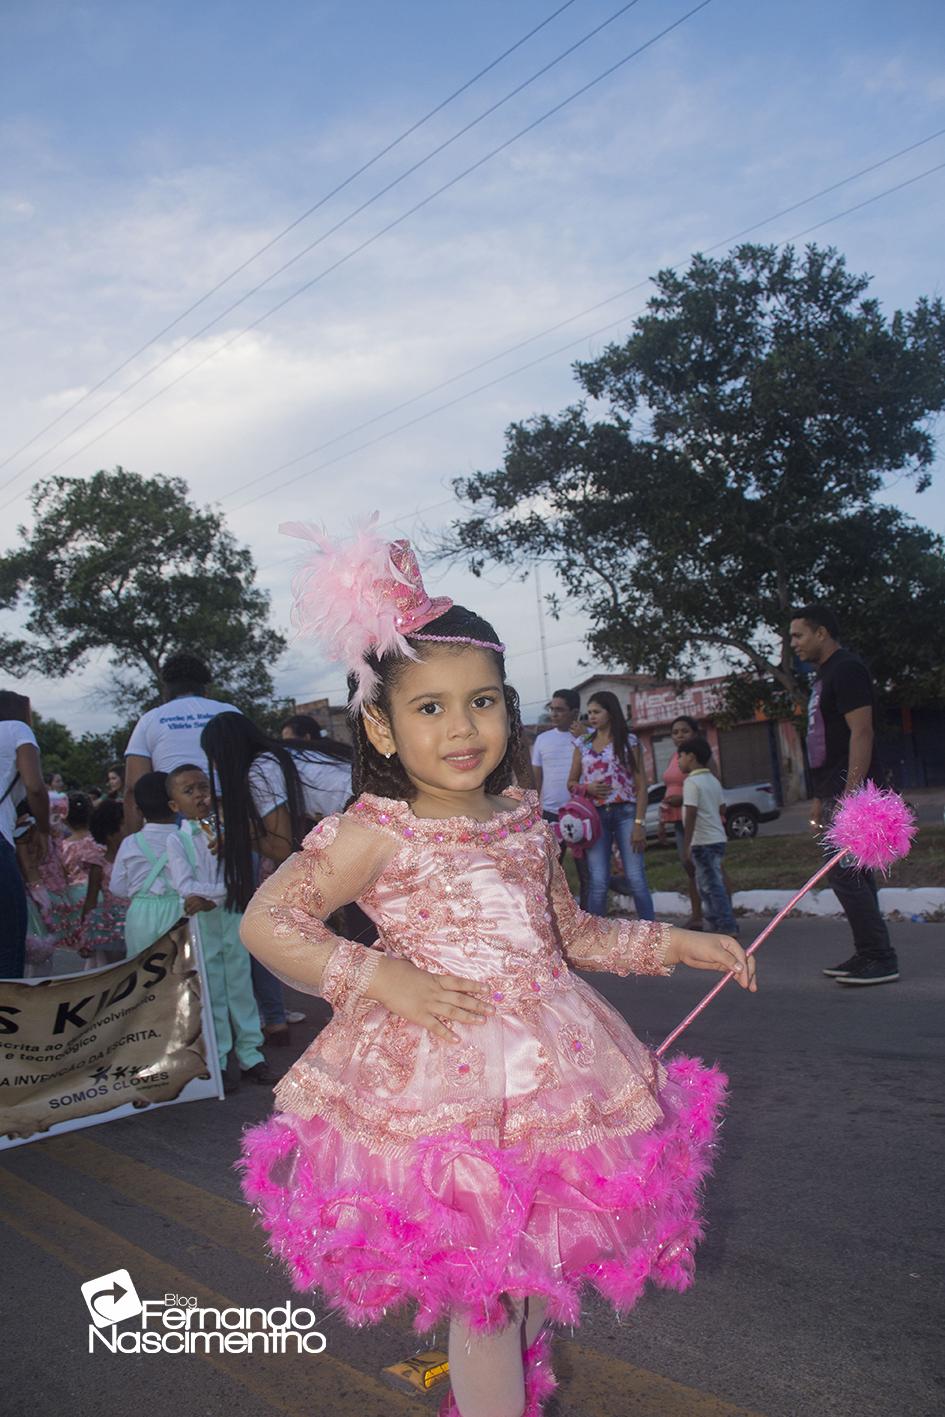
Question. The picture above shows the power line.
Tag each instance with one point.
(369, 241)
(570, 319)
(561, 349)
(291, 227)
(293, 260)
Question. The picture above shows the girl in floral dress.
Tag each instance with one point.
(477, 1132)
(103, 914)
(75, 847)
(53, 919)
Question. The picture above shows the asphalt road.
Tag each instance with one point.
(819, 1291)
(926, 802)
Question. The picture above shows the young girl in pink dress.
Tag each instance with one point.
(103, 914)
(75, 847)
(53, 918)
(476, 1132)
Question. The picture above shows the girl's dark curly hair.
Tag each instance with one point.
(80, 809)
(385, 777)
(106, 819)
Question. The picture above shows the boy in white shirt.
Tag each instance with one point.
(198, 877)
(704, 834)
(140, 873)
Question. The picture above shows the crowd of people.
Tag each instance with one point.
(600, 759)
(471, 1091)
(205, 805)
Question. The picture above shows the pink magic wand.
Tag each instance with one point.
(873, 827)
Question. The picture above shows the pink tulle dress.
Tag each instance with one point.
(104, 926)
(53, 914)
(547, 1151)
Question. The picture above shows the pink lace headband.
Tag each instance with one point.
(462, 640)
(362, 597)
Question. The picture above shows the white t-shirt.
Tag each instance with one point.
(325, 782)
(554, 753)
(132, 868)
(13, 734)
(170, 734)
(266, 784)
(703, 791)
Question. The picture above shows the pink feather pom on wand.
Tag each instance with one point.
(873, 826)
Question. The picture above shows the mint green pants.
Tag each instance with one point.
(149, 917)
(235, 1015)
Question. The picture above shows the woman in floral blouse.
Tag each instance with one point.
(608, 765)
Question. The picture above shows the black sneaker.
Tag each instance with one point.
(259, 1072)
(871, 971)
(231, 1075)
(840, 969)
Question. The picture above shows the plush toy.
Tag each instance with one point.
(578, 824)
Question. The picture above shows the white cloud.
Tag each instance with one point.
(675, 154)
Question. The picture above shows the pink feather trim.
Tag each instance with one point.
(460, 1222)
(335, 600)
(360, 597)
(875, 826)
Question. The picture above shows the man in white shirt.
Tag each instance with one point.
(169, 735)
(553, 752)
(20, 775)
(704, 834)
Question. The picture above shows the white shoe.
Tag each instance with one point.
(295, 1017)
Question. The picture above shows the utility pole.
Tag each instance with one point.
(541, 632)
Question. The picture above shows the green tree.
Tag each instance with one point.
(730, 469)
(82, 761)
(128, 565)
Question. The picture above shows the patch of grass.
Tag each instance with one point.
(785, 863)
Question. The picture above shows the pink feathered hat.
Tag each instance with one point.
(361, 597)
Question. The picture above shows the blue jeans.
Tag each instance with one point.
(716, 906)
(617, 825)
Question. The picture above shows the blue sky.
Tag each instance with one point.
(150, 148)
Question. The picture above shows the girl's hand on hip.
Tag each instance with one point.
(430, 1000)
(719, 952)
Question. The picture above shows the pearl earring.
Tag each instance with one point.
(388, 755)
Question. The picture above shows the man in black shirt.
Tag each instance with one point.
(842, 756)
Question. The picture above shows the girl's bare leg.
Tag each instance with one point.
(535, 1311)
(486, 1372)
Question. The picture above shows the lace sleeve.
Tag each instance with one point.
(284, 927)
(613, 946)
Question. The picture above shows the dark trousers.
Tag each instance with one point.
(856, 891)
(580, 862)
(12, 914)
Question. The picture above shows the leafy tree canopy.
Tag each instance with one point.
(731, 469)
(82, 761)
(128, 565)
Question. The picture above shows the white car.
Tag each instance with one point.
(745, 807)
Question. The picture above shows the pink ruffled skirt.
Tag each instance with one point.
(456, 1222)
